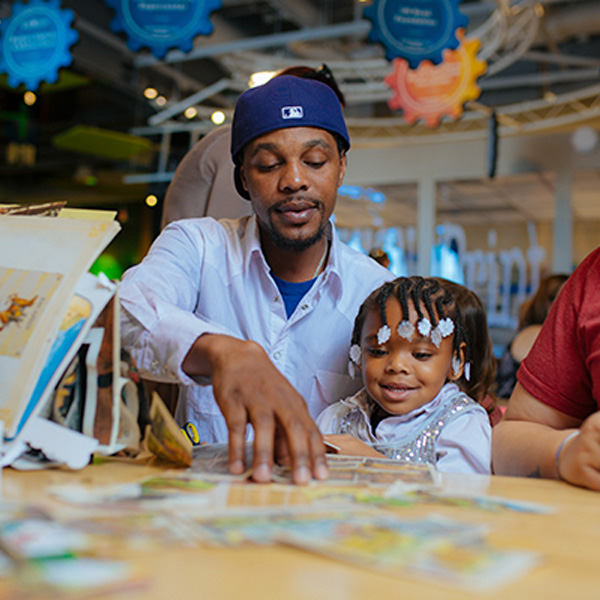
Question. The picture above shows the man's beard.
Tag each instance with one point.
(284, 243)
(296, 244)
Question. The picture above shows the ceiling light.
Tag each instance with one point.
(584, 140)
(151, 200)
(161, 100)
(260, 77)
(29, 98)
(190, 112)
(150, 93)
(218, 117)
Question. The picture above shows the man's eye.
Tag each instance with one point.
(315, 164)
(265, 168)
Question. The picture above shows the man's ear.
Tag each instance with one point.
(343, 164)
(243, 177)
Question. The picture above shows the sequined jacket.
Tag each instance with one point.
(451, 432)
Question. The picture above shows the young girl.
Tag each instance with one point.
(409, 344)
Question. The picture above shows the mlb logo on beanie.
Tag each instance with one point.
(292, 112)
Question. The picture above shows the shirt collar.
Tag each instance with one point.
(251, 243)
(252, 248)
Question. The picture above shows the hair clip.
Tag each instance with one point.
(456, 365)
(355, 354)
(351, 369)
(406, 330)
(467, 372)
(384, 334)
(443, 329)
(446, 327)
(424, 326)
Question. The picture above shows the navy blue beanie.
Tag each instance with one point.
(286, 101)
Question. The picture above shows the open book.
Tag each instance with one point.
(48, 302)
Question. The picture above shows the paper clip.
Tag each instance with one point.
(191, 433)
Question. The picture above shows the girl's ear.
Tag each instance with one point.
(458, 364)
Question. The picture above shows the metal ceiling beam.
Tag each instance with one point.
(262, 41)
(561, 59)
(300, 12)
(535, 79)
(112, 41)
(199, 96)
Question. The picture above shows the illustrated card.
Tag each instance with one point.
(23, 297)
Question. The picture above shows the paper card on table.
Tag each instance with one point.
(164, 438)
(435, 549)
(363, 470)
(212, 462)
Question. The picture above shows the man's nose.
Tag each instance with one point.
(293, 177)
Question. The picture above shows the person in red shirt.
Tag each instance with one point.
(551, 427)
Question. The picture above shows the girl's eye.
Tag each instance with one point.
(422, 355)
(376, 352)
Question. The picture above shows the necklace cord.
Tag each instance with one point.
(322, 261)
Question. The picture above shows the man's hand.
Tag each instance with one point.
(579, 461)
(250, 390)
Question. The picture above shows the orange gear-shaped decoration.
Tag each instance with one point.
(432, 91)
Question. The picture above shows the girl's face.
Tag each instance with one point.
(402, 375)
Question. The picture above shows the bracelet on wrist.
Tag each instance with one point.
(559, 450)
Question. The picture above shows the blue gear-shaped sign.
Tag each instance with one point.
(162, 24)
(415, 30)
(35, 42)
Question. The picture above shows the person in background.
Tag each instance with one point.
(203, 182)
(480, 367)
(533, 313)
(252, 316)
(551, 427)
(409, 343)
(379, 255)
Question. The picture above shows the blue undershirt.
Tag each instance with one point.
(292, 293)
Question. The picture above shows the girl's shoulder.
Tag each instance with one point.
(453, 403)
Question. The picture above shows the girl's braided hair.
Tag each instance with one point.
(425, 292)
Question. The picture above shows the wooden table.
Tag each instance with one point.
(567, 539)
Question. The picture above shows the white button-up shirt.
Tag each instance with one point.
(207, 276)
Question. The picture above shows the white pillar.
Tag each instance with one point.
(562, 251)
(425, 224)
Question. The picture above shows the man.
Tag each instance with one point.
(551, 427)
(203, 183)
(260, 307)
